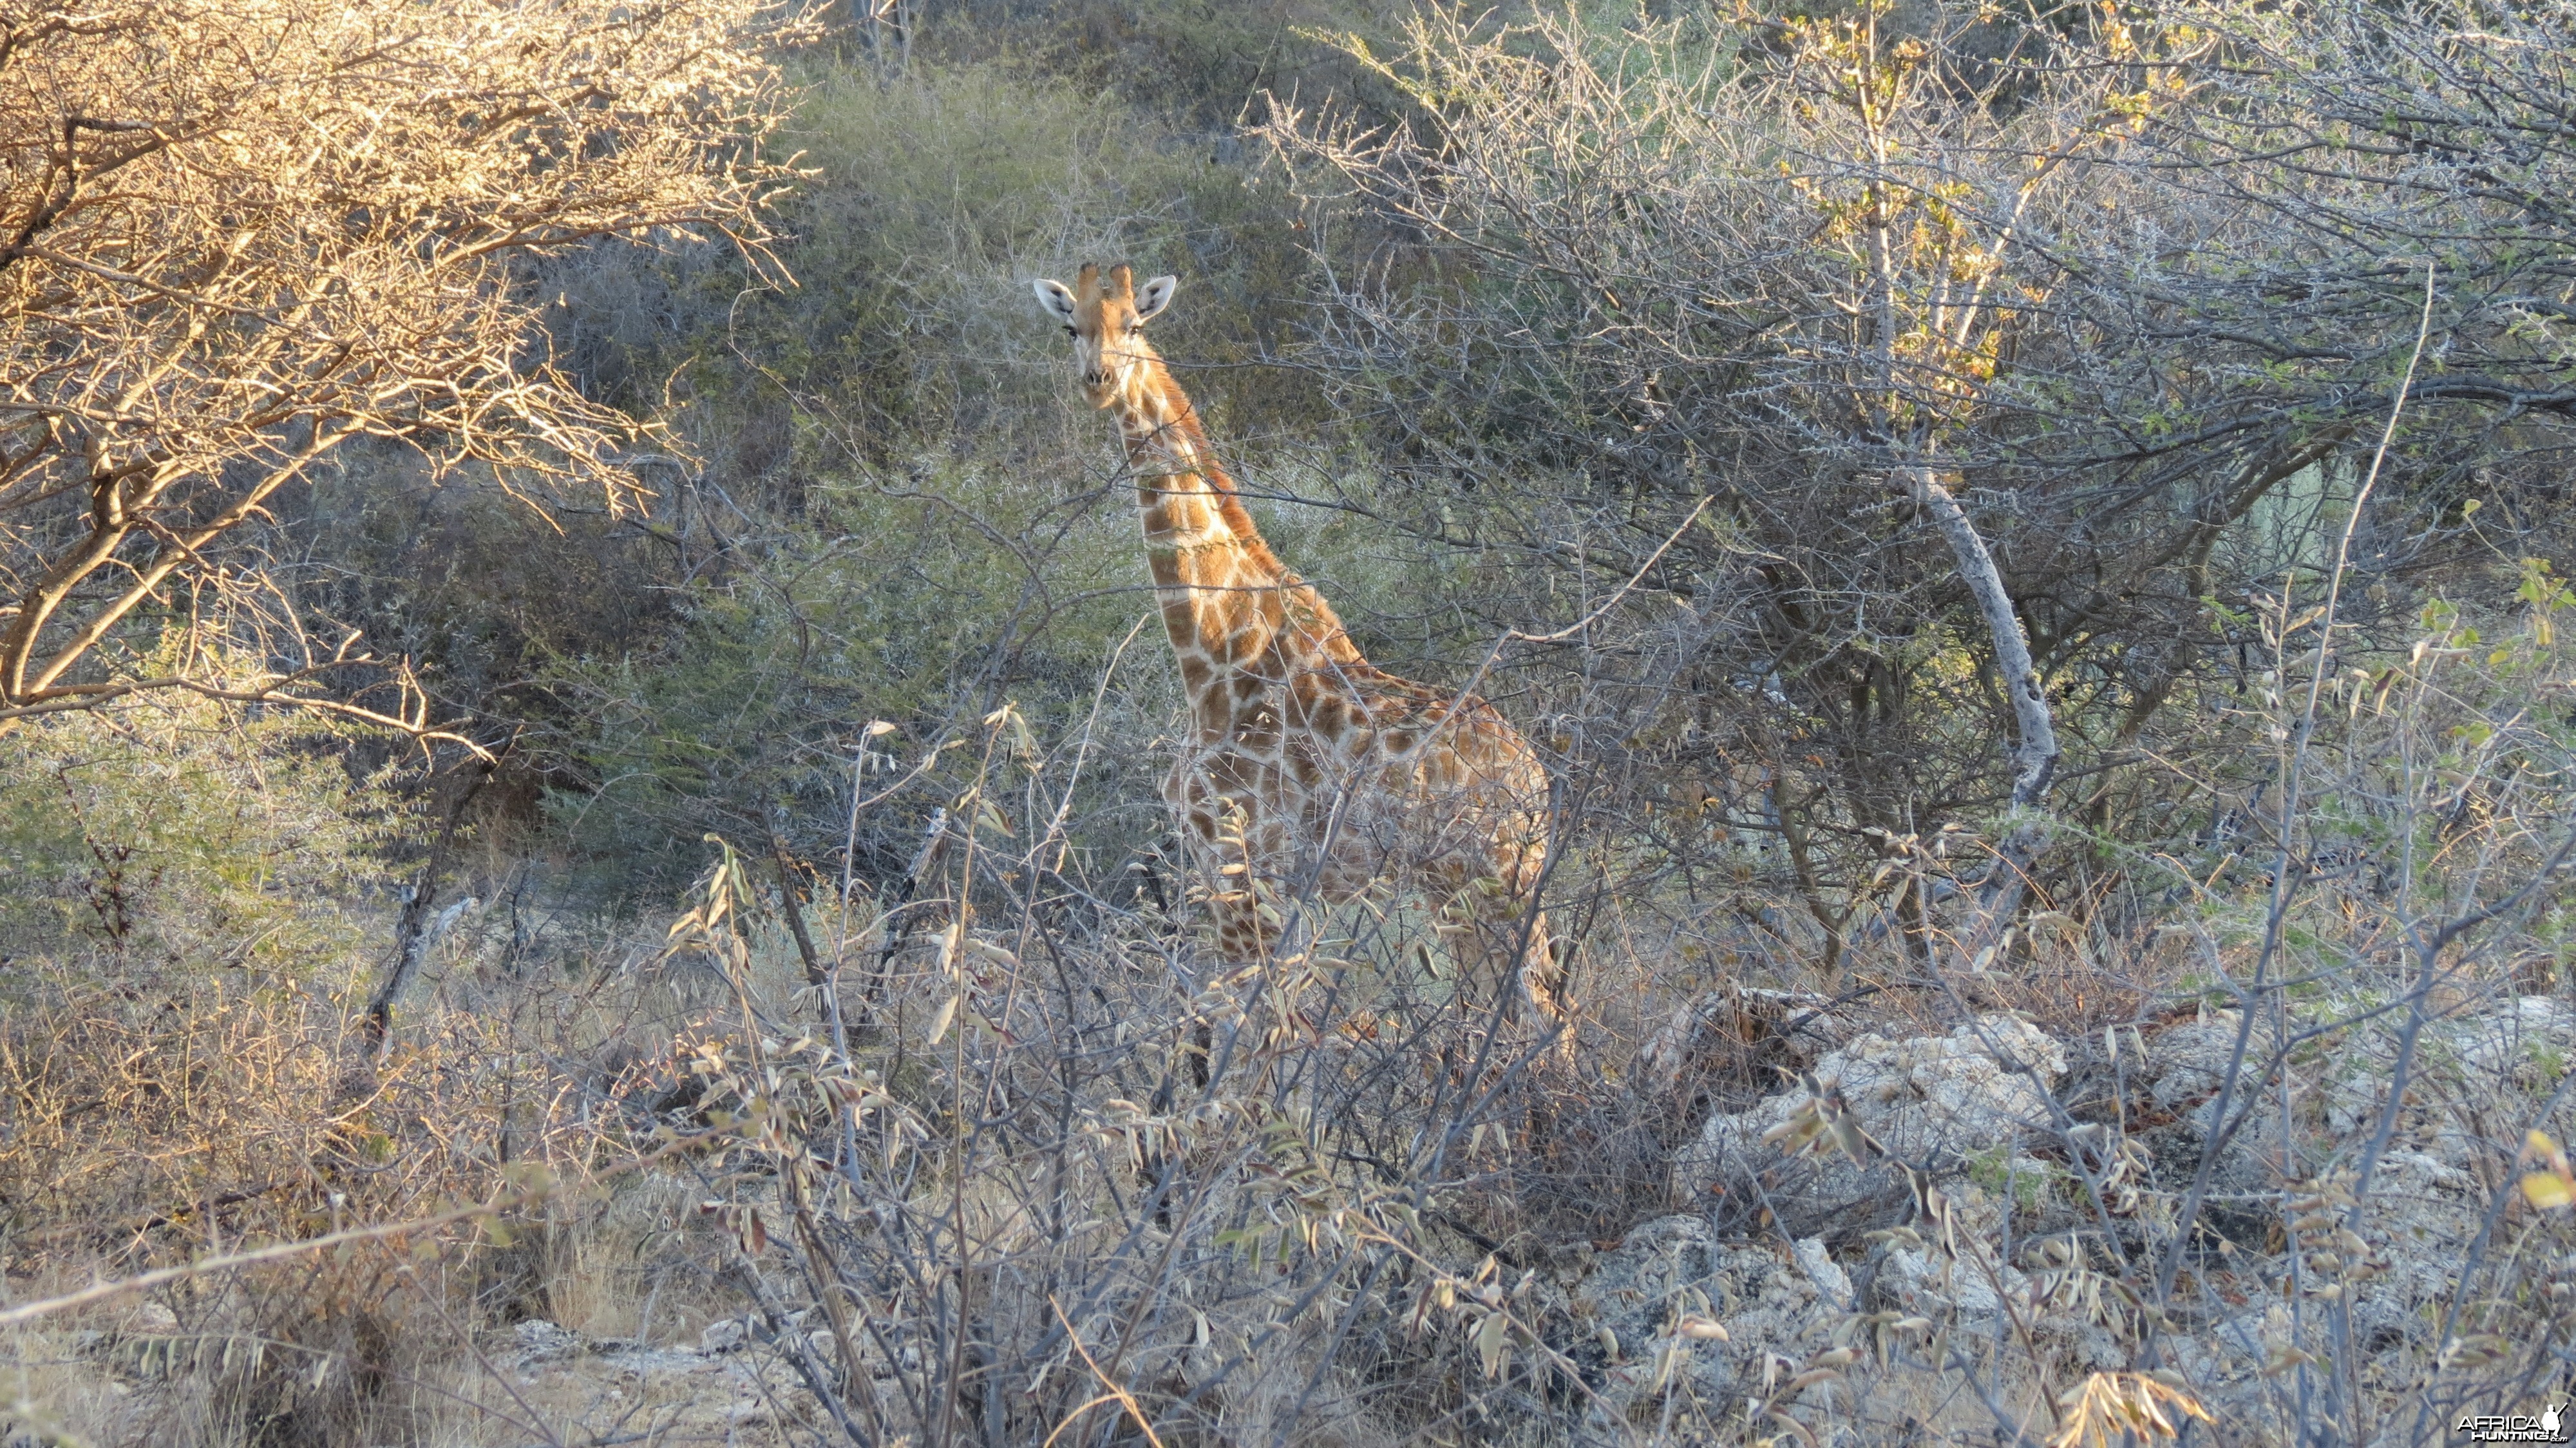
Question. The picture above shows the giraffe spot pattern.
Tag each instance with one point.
(1292, 727)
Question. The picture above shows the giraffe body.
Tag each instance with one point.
(1306, 767)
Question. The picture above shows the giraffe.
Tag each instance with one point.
(1331, 772)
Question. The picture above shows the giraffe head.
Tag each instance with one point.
(1106, 315)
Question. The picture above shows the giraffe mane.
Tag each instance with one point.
(1220, 483)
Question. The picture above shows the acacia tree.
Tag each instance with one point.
(1806, 271)
(236, 236)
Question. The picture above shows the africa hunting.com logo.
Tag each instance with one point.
(2552, 1426)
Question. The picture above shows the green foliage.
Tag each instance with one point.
(2024, 1181)
(926, 603)
(191, 833)
(921, 605)
(931, 202)
(1200, 65)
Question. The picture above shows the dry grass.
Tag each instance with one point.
(987, 1177)
(152, 1125)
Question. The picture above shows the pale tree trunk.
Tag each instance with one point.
(2034, 754)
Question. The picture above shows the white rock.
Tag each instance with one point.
(2188, 1062)
(2419, 1218)
(1671, 1267)
(2506, 1048)
(1926, 1098)
(2518, 1038)
(2092, 1344)
(1929, 1283)
(541, 1341)
(1821, 1269)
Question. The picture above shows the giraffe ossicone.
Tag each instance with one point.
(1306, 769)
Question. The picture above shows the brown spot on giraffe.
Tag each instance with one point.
(1339, 772)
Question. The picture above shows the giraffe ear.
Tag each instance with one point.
(1057, 298)
(1154, 296)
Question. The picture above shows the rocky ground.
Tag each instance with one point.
(1939, 1229)
(726, 1388)
(1991, 1196)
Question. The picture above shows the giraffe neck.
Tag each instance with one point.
(1229, 604)
(1183, 495)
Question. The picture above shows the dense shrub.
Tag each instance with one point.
(184, 834)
